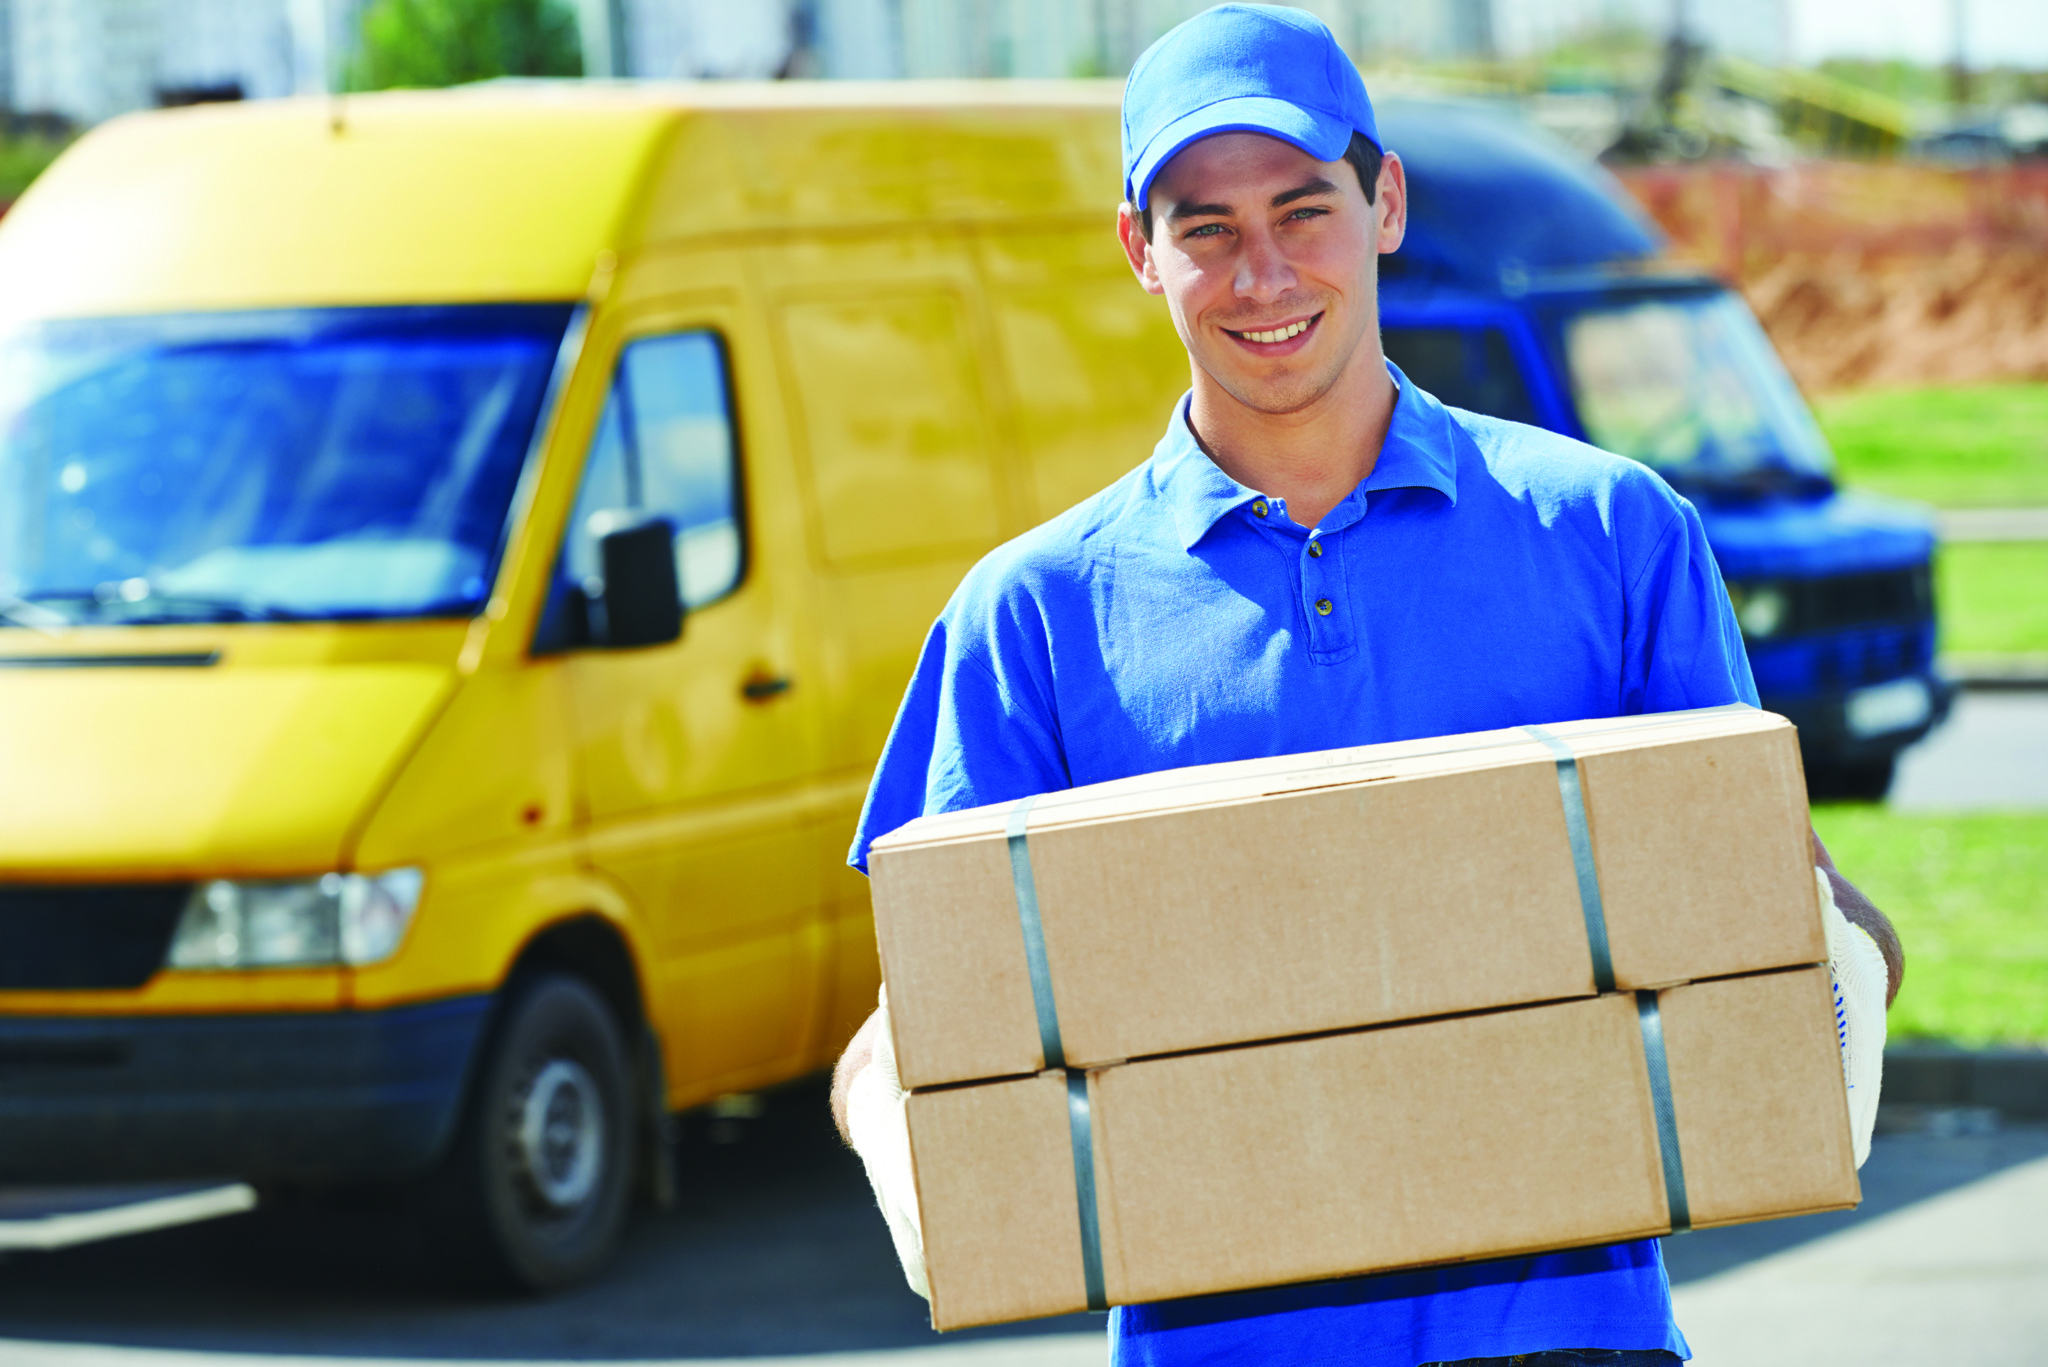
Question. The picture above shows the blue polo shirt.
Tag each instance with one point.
(1484, 575)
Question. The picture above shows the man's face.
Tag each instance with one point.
(1269, 260)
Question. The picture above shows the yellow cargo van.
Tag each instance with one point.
(460, 554)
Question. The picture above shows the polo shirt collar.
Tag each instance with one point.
(1420, 452)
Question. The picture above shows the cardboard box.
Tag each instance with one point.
(1258, 900)
(1505, 1132)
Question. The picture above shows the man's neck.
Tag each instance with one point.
(1313, 457)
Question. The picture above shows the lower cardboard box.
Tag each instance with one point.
(1468, 1137)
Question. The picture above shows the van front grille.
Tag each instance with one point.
(62, 935)
(1854, 600)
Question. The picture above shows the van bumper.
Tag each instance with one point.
(323, 1096)
(1826, 734)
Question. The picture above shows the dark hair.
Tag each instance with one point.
(1363, 156)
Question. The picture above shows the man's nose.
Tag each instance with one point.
(1262, 270)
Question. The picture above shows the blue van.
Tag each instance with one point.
(1529, 288)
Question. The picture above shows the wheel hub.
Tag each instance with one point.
(560, 1139)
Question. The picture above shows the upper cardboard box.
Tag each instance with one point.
(1266, 898)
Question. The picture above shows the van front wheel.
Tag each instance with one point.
(534, 1192)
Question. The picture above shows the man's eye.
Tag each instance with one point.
(1206, 230)
(1309, 211)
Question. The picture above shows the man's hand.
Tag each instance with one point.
(1861, 913)
(859, 1050)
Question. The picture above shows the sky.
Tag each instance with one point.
(1996, 32)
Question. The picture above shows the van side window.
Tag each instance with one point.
(1464, 367)
(664, 446)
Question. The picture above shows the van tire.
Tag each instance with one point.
(533, 1194)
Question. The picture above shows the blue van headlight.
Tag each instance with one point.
(1762, 609)
(337, 918)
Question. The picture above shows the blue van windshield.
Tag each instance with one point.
(286, 465)
(1689, 384)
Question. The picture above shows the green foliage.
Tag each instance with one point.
(22, 160)
(1979, 445)
(1967, 894)
(1935, 85)
(1993, 597)
(418, 43)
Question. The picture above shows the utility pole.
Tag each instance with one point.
(601, 28)
(1959, 69)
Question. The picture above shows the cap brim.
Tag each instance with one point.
(1322, 136)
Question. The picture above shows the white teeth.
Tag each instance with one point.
(1278, 334)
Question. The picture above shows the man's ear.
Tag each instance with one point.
(1137, 250)
(1390, 202)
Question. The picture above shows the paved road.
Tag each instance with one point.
(1993, 524)
(1991, 753)
(1960, 1280)
(777, 1251)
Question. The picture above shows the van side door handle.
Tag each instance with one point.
(761, 686)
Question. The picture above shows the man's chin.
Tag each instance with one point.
(1276, 397)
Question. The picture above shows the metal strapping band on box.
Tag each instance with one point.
(1081, 1130)
(1034, 937)
(1574, 796)
(1080, 1124)
(1652, 1022)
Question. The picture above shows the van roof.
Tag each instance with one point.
(510, 190)
(1493, 198)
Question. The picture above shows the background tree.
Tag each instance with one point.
(447, 42)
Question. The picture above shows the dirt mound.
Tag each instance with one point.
(1849, 321)
(1874, 274)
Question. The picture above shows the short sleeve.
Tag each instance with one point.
(973, 729)
(1682, 647)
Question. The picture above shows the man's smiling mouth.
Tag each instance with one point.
(1282, 333)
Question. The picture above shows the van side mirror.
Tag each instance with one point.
(641, 603)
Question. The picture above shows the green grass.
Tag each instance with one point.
(22, 160)
(1960, 446)
(1969, 895)
(1993, 597)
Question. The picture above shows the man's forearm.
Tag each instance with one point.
(1862, 913)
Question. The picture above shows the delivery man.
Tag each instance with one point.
(1318, 554)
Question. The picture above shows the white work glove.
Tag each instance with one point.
(1857, 967)
(877, 1118)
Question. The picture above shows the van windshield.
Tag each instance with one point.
(286, 465)
(1689, 385)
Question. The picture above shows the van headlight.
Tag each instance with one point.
(1761, 608)
(337, 918)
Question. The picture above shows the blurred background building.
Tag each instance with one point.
(1679, 77)
(86, 60)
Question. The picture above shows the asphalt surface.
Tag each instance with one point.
(775, 1249)
(1991, 753)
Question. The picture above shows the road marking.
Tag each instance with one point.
(63, 1229)
(1046, 1350)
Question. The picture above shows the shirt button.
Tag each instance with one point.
(1258, 507)
(1323, 606)
(1315, 550)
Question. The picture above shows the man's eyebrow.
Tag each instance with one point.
(1305, 190)
(1318, 186)
(1181, 211)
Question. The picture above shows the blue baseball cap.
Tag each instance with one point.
(1241, 68)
